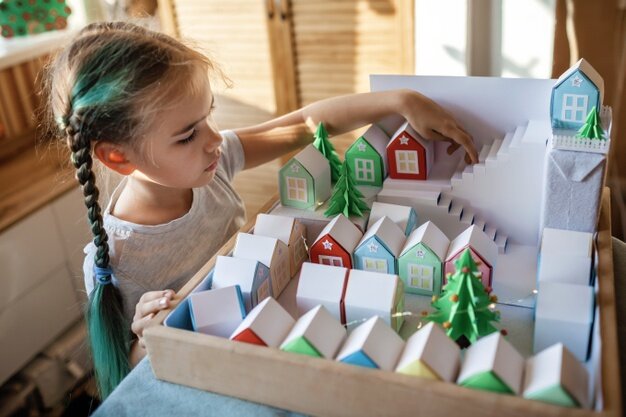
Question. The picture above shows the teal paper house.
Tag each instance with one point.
(304, 182)
(420, 265)
(575, 93)
(367, 157)
(380, 247)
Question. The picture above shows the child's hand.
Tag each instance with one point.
(434, 123)
(149, 304)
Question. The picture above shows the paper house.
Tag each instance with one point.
(374, 294)
(555, 376)
(492, 364)
(367, 157)
(252, 277)
(484, 252)
(572, 188)
(565, 256)
(270, 252)
(322, 284)
(267, 325)
(574, 94)
(410, 156)
(380, 247)
(404, 216)
(217, 312)
(564, 314)
(304, 182)
(430, 353)
(420, 265)
(290, 231)
(317, 333)
(336, 243)
(373, 344)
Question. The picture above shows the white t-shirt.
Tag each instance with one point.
(150, 258)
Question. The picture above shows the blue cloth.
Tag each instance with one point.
(141, 394)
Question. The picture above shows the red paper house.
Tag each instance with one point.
(336, 242)
(410, 156)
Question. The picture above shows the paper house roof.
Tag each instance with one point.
(388, 234)
(375, 136)
(271, 225)
(429, 352)
(256, 247)
(268, 323)
(217, 312)
(432, 237)
(321, 284)
(371, 290)
(343, 231)
(400, 215)
(391, 123)
(568, 242)
(372, 344)
(586, 68)
(409, 129)
(554, 375)
(495, 355)
(316, 330)
(477, 240)
(312, 160)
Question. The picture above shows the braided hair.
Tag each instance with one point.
(108, 84)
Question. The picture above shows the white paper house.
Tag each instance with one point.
(492, 364)
(374, 294)
(322, 284)
(565, 256)
(252, 277)
(373, 344)
(217, 312)
(564, 314)
(271, 252)
(484, 252)
(317, 333)
(267, 325)
(555, 376)
(430, 353)
(380, 247)
(404, 216)
(288, 230)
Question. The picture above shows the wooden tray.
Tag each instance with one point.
(323, 387)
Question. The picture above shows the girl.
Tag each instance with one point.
(141, 102)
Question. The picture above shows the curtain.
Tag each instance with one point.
(596, 31)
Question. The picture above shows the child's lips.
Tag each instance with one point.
(213, 165)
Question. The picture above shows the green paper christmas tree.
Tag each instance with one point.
(327, 149)
(346, 198)
(27, 17)
(591, 129)
(463, 307)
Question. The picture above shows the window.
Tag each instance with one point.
(331, 260)
(375, 265)
(406, 162)
(574, 108)
(263, 291)
(364, 169)
(421, 276)
(296, 189)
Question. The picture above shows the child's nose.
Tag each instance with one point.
(214, 140)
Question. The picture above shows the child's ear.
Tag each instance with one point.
(113, 157)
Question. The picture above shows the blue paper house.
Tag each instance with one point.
(380, 247)
(575, 93)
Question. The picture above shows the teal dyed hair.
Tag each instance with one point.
(108, 85)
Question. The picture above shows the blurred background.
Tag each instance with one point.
(280, 55)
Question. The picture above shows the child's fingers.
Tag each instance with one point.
(138, 325)
(154, 306)
(153, 295)
(463, 139)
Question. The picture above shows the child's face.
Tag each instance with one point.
(182, 150)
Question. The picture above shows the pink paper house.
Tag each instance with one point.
(484, 252)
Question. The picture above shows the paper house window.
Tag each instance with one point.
(407, 162)
(375, 265)
(330, 260)
(421, 276)
(364, 170)
(574, 107)
(296, 189)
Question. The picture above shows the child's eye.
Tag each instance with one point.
(188, 138)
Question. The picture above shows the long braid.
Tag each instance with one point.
(108, 330)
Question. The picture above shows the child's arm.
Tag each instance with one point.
(269, 140)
